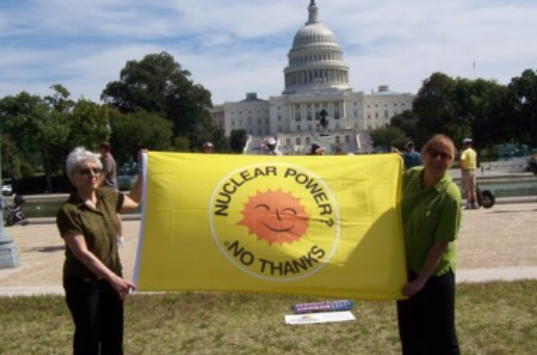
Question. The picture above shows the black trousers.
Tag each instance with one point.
(427, 320)
(97, 312)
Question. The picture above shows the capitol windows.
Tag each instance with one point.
(337, 140)
(279, 117)
(297, 141)
(287, 141)
(347, 139)
(386, 114)
(308, 140)
(298, 127)
(376, 115)
(298, 115)
(232, 123)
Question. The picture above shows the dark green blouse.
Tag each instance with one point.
(98, 226)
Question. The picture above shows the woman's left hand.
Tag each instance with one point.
(413, 287)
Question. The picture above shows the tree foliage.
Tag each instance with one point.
(522, 103)
(237, 140)
(389, 137)
(460, 108)
(136, 130)
(159, 85)
(41, 131)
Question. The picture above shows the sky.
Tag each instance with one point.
(237, 46)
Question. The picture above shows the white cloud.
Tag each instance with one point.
(236, 46)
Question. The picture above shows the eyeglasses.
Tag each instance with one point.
(436, 153)
(90, 171)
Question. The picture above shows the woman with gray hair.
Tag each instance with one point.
(92, 278)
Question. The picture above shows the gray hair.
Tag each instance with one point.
(79, 156)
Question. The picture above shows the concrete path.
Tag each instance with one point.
(494, 244)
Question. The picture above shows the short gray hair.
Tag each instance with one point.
(79, 156)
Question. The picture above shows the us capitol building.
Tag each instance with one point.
(316, 87)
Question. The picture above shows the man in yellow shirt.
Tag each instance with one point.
(468, 164)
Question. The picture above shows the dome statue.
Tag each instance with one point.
(315, 59)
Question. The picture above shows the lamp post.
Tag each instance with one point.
(9, 257)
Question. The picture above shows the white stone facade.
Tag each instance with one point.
(316, 78)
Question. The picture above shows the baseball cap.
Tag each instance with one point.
(207, 145)
(271, 141)
(467, 140)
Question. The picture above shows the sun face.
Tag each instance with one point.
(275, 216)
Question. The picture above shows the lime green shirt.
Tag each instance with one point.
(98, 226)
(430, 215)
(468, 159)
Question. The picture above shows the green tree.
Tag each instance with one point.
(237, 140)
(522, 107)
(389, 137)
(88, 124)
(435, 108)
(11, 160)
(44, 130)
(157, 84)
(136, 130)
(407, 122)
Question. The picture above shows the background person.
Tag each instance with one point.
(109, 178)
(316, 149)
(92, 278)
(411, 157)
(431, 218)
(109, 173)
(468, 165)
(271, 147)
(207, 148)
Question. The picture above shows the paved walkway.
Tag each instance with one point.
(494, 244)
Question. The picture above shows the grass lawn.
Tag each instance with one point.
(493, 318)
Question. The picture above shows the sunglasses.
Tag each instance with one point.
(436, 153)
(89, 171)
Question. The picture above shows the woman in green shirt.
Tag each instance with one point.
(92, 279)
(431, 211)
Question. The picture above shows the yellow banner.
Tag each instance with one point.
(320, 225)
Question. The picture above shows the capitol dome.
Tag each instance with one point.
(315, 59)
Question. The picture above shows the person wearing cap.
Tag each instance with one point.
(271, 147)
(207, 148)
(468, 165)
(411, 157)
(316, 149)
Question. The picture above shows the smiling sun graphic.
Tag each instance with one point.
(275, 216)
